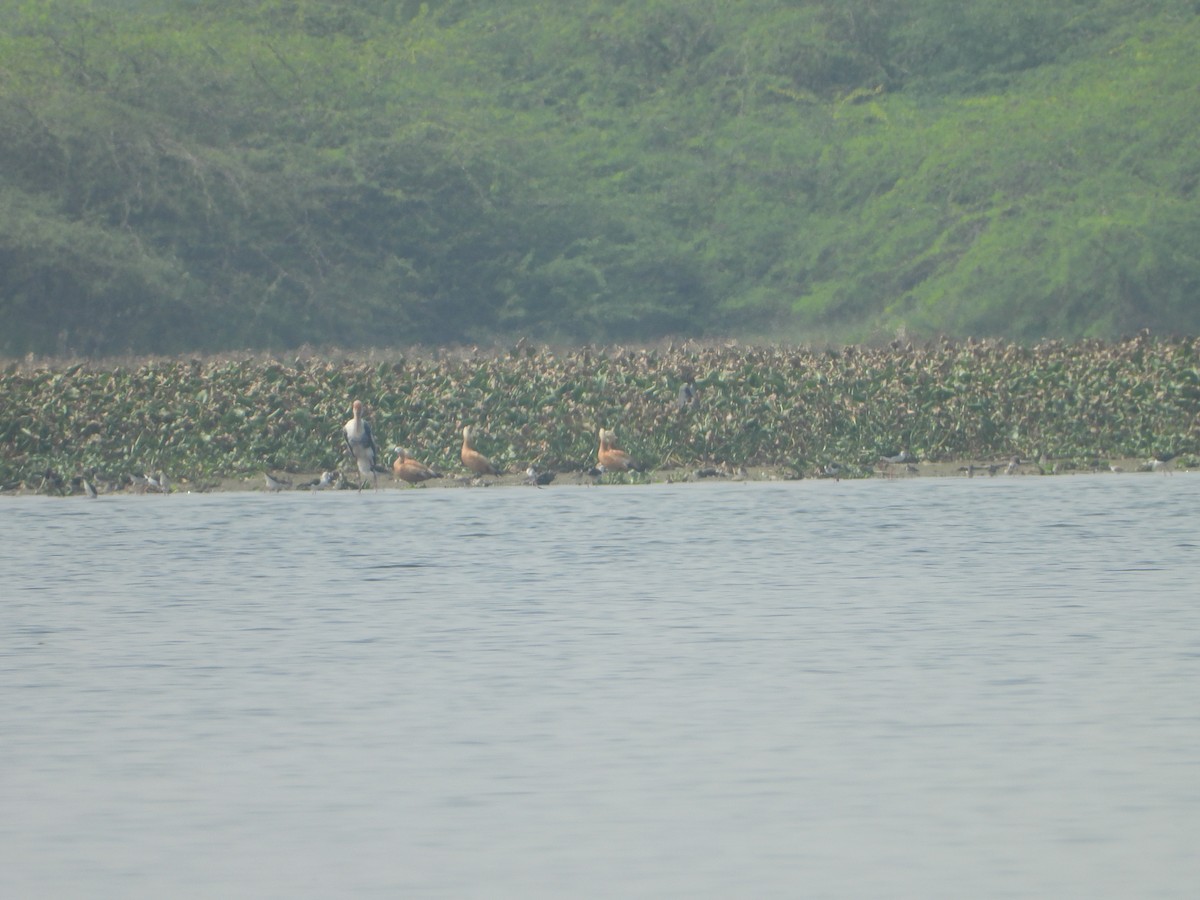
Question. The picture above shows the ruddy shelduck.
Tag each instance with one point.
(473, 459)
(610, 457)
(411, 470)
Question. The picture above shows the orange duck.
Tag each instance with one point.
(610, 457)
(411, 470)
(473, 459)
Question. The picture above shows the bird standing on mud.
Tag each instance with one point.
(411, 470)
(537, 477)
(473, 459)
(274, 484)
(1160, 462)
(610, 457)
(362, 446)
(327, 480)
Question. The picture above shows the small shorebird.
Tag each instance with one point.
(473, 459)
(1161, 462)
(327, 479)
(276, 484)
(537, 478)
(411, 470)
(362, 447)
(903, 458)
(610, 457)
(147, 483)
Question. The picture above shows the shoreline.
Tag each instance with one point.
(301, 482)
(964, 408)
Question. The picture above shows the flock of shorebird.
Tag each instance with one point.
(360, 441)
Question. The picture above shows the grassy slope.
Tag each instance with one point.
(264, 176)
(1065, 207)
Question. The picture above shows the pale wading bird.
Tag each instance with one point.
(411, 470)
(536, 477)
(362, 446)
(155, 484)
(473, 459)
(610, 457)
(327, 479)
(276, 484)
(1160, 462)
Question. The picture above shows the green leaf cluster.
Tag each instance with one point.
(1078, 404)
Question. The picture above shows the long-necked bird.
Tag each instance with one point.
(473, 459)
(362, 446)
(411, 470)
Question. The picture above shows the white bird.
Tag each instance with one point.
(536, 477)
(362, 445)
(276, 484)
(1160, 462)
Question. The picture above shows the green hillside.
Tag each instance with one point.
(179, 176)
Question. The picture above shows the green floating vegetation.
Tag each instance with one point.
(797, 409)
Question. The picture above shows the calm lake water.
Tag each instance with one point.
(913, 688)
